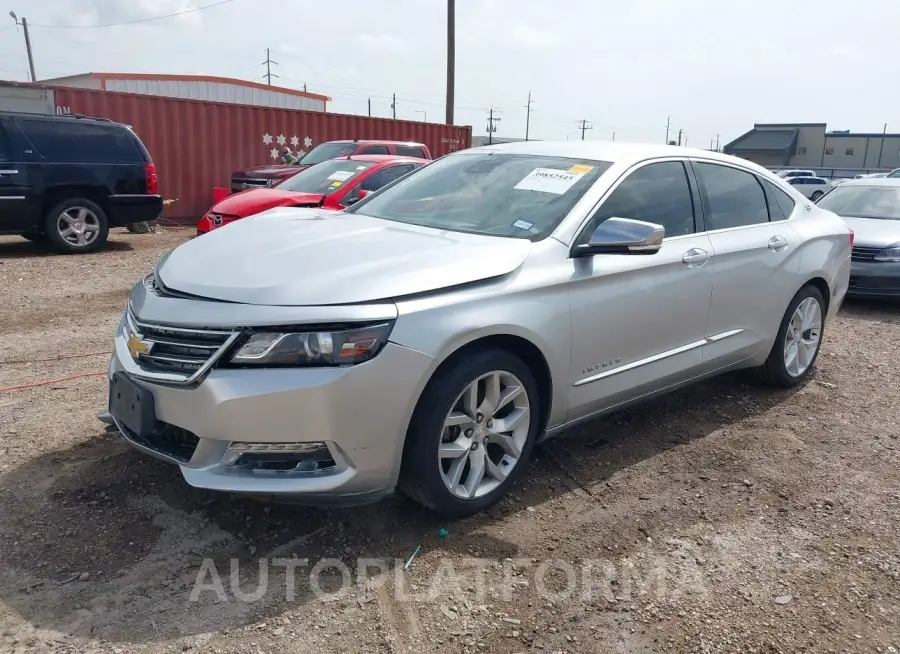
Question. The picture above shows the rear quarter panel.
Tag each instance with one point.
(825, 251)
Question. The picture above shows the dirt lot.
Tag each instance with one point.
(726, 518)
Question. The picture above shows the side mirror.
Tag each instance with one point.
(623, 236)
(354, 196)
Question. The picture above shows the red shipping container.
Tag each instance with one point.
(196, 145)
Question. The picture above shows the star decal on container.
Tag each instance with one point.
(274, 153)
(295, 141)
(281, 139)
(307, 141)
(267, 139)
(300, 153)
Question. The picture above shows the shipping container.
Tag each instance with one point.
(196, 145)
(197, 87)
(26, 97)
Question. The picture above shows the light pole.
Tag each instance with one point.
(451, 58)
(24, 24)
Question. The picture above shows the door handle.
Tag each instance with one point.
(777, 243)
(695, 257)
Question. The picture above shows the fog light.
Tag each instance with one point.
(275, 457)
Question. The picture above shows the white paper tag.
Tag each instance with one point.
(549, 180)
(341, 175)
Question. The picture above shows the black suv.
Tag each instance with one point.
(68, 179)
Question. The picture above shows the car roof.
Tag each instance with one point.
(378, 142)
(615, 152)
(383, 158)
(92, 119)
(873, 181)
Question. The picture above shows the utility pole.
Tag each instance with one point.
(668, 123)
(268, 64)
(880, 150)
(370, 107)
(614, 136)
(527, 115)
(717, 142)
(679, 137)
(492, 125)
(451, 58)
(585, 125)
(24, 24)
(394, 106)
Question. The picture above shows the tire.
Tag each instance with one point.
(427, 478)
(776, 371)
(86, 218)
(817, 195)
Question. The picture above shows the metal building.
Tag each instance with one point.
(812, 146)
(197, 87)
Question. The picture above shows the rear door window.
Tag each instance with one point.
(385, 177)
(734, 197)
(374, 149)
(410, 151)
(72, 141)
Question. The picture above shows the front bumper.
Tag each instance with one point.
(361, 412)
(874, 279)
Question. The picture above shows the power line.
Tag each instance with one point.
(528, 115)
(139, 20)
(584, 126)
(492, 124)
(268, 64)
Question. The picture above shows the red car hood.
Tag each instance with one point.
(273, 171)
(253, 201)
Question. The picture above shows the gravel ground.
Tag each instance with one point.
(724, 518)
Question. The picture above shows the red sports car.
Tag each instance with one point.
(333, 184)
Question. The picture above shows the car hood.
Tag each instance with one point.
(308, 257)
(874, 232)
(247, 203)
(270, 172)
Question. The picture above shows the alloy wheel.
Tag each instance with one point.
(484, 434)
(801, 340)
(78, 226)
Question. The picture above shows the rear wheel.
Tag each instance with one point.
(817, 195)
(799, 338)
(471, 434)
(76, 225)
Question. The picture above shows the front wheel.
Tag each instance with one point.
(817, 195)
(798, 341)
(471, 434)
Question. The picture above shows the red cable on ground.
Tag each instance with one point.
(53, 381)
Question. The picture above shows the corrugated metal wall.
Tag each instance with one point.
(215, 92)
(196, 145)
(21, 97)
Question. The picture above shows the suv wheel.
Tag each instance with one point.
(77, 225)
(471, 434)
(799, 338)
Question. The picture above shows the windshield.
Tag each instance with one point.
(327, 151)
(863, 201)
(894, 173)
(497, 194)
(326, 178)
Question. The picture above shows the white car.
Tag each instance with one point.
(789, 174)
(811, 187)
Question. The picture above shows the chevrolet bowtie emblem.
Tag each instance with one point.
(137, 347)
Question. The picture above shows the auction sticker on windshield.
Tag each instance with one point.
(341, 175)
(549, 180)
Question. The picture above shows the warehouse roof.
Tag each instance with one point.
(764, 140)
(102, 77)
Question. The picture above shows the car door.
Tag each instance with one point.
(755, 258)
(14, 188)
(638, 321)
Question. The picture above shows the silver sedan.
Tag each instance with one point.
(428, 337)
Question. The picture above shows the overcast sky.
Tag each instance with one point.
(713, 66)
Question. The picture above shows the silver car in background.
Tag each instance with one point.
(427, 337)
(871, 207)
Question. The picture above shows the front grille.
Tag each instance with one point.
(860, 253)
(167, 439)
(176, 350)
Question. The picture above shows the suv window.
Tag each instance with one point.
(734, 198)
(410, 151)
(374, 149)
(386, 176)
(781, 205)
(72, 141)
(657, 193)
(5, 147)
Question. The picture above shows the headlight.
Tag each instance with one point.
(889, 254)
(313, 348)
